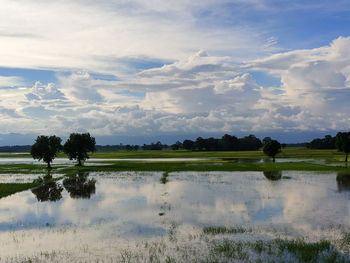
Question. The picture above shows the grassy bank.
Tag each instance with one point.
(297, 152)
(9, 189)
(169, 166)
(286, 153)
(23, 169)
(205, 166)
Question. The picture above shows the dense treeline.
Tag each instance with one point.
(328, 142)
(119, 147)
(15, 149)
(155, 146)
(225, 143)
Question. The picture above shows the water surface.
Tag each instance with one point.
(124, 209)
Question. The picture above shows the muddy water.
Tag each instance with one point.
(102, 215)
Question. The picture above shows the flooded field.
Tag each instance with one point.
(93, 161)
(179, 217)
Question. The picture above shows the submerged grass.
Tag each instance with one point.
(275, 250)
(216, 230)
(227, 249)
(296, 152)
(164, 178)
(212, 250)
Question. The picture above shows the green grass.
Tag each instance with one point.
(170, 166)
(24, 168)
(164, 178)
(297, 152)
(7, 189)
(276, 249)
(12, 188)
(203, 166)
(15, 155)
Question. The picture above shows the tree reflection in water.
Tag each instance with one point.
(79, 186)
(273, 175)
(343, 182)
(51, 191)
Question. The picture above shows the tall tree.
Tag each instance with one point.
(46, 148)
(78, 146)
(342, 142)
(272, 148)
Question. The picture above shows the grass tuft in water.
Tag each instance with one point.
(275, 250)
(216, 230)
(305, 252)
(164, 178)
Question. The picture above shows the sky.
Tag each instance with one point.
(141, 70)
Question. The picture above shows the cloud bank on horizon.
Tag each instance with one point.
(151, 67)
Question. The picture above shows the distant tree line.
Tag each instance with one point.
(225, 143)
(328, 142)
(15, 148)
(155, 146)
(118, 147)
(341, 142)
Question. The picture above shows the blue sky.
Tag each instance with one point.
(134, 71)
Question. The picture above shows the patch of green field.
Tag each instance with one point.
(15, 155)
(7, 189)
(297, 152)
(332, 163)
(171, 166)
(12, 188)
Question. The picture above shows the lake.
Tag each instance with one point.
(140, 217)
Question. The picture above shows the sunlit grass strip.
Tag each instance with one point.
(202, 167)
(7, 189)
(23, 168)
(297, 152)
